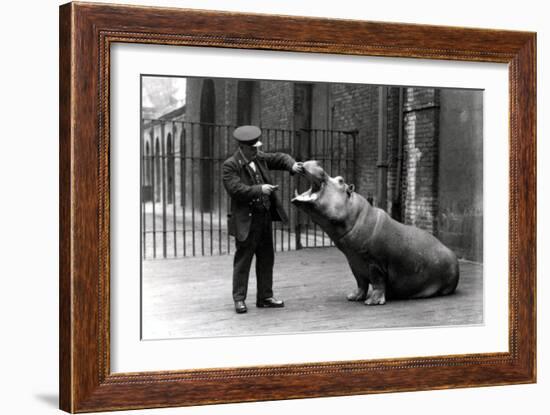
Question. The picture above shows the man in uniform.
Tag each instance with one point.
(254, 205)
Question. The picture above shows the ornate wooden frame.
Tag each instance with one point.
(86, 33)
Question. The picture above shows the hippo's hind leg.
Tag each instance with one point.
(361, 276)
(377, 296)
(452, 280)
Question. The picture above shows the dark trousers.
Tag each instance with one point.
(259, 243)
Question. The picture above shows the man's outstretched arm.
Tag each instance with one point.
(282, 161)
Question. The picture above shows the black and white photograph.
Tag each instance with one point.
(280, 207)
(275, 207)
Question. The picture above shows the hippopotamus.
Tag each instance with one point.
(388, 259)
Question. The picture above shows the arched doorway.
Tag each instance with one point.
(148, 181)
(248, 103)
(207, 119)
(157, 158)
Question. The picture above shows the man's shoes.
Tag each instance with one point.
(270, 303)
(240, 307)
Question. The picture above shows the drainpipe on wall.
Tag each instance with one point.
(396, 205)
(382, 163)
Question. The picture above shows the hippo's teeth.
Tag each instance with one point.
(306, 197)
(296, 193)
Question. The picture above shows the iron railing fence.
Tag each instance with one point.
(184, 205)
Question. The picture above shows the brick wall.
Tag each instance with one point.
(230, 100)
(356, 107)
(420, 150)
(277, 99)
(460, 216)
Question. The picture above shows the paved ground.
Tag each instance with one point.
(191, 297)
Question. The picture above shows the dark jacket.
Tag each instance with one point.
(240, 185)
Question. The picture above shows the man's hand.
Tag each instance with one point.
(298, 167)
(268, 188)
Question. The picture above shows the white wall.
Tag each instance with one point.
(28, 217)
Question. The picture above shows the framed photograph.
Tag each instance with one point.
(258, 207)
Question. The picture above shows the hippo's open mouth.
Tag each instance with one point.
(316, 176)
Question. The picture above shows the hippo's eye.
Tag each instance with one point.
(340, 180)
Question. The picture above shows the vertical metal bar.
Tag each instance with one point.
(154, 179)
(297, 230)
(306, 148)
(338, 153)
(355, 158)
(324, 155)
(193, 176)
(306, 224)
(142, 206)
(349, 175)
(332, 153)
(211, 184)
(163, 186)
(284, 200)
(147, 170)
(227, 200)
(286, 197)
(331, 135)
(267, 148)
(183, 185)
(173, 175)
(275, 175)
(325, 150)
(279, 182)
(219, 162)
(272, 138)
(314, 150)
(202, 170)
(289, 184)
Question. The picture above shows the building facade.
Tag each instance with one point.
(415, 152)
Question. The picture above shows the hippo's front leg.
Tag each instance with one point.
(359, 294)
(376, 296)
(361, 276)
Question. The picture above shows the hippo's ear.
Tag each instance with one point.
(351, 189)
